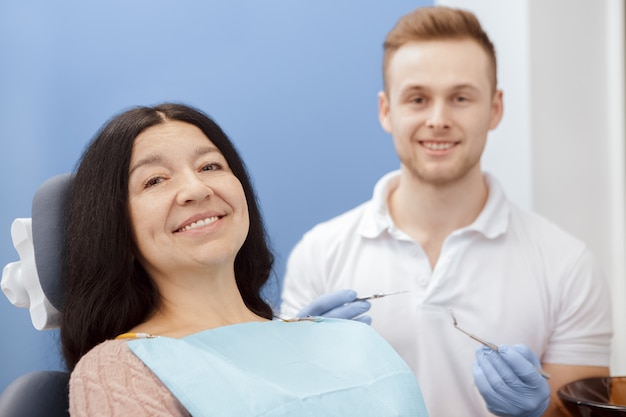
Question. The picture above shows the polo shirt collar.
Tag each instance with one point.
(492, 221)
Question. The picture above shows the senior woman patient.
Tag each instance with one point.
(165, 257)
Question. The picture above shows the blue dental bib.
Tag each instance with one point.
(326, 367)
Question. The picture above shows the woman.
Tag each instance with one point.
(165, 258)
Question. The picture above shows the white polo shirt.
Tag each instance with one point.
(510, 277)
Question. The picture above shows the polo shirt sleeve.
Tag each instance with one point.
(583, 324)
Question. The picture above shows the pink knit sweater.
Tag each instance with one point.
(111, 381)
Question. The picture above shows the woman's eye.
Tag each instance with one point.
(151, 182)
(213, 166)
(419, 100)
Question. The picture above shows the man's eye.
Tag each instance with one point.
(419, 100)
(461, 99)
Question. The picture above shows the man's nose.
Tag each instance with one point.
(439, 117)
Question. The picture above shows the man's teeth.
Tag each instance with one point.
(199, 223)
(438, 146)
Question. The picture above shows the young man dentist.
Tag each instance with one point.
(443, 231)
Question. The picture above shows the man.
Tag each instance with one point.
(442, 233)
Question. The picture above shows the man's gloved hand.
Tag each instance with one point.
(509, 382)
(340, 304)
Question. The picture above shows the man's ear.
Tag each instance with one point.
(383, 111)
(497, 109)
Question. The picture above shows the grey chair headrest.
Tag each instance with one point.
(48, 222)
(35, 280)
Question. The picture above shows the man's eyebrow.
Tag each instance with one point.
(419, 87)
(156, 159)
(465, 87)
(415, 87)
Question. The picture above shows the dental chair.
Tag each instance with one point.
(34, 282)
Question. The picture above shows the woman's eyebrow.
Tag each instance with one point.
(148, 160)
(203, 150)
(156, 159)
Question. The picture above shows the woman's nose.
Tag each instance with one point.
(193, 188)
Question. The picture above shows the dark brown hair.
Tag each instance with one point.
(106, 291)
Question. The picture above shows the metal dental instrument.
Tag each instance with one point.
(381, 295)
(476, 338)
(489, 344)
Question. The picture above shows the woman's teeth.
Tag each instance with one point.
(199, 223)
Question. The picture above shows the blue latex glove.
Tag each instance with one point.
(339, 304)
(509, 382)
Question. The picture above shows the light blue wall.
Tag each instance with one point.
(293, 83)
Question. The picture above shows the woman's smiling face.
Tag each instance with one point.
(187, 209)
